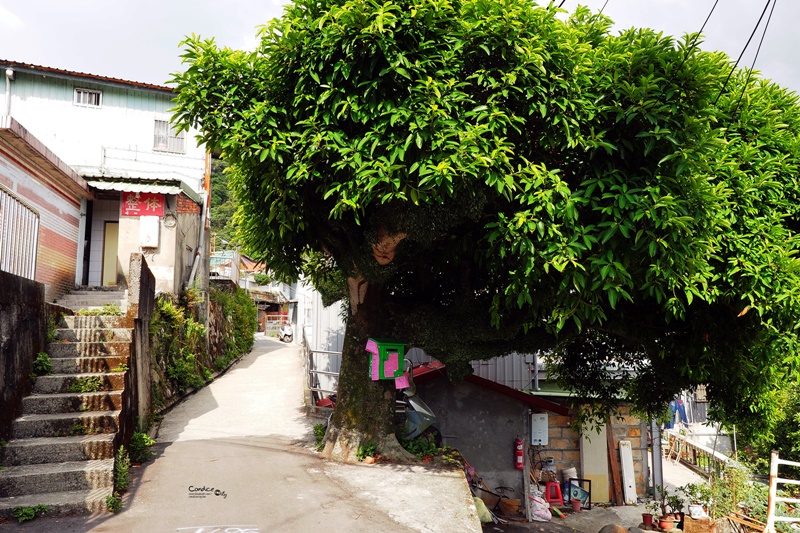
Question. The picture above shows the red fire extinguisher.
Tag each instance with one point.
(519, 458)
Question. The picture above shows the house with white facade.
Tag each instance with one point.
(147, 183)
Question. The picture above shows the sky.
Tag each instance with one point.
(140, 40)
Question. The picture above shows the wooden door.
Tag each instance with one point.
(110, 245)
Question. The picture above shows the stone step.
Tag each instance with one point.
(71, 402)
(88, 349)
(65, 424)
(94, 334)
(60, 503)
(84, 365)
(25, 480)
(57, 449)
(104, 321)
(60, 383)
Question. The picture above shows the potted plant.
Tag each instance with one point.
(699, 497)
(652, 507)
(675, 504)
(666, 521)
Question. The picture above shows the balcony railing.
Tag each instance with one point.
(19, 235)
(699, 458)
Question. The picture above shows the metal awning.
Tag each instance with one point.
(156, 187)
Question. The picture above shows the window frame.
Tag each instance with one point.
(83, 90)
(170, 142)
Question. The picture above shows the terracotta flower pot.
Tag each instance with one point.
(576, 505)
(647, 519)
(666, 522)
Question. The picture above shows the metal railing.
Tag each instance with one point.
(774, 481)
(313, 373)
(19, 235)
(699, 458)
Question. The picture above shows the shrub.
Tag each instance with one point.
(113, 502)
(86, 384)
(122, 475)
(23, 514)
(106, 310)
(319, 435)
(139, 448)
(42, 365)
(367, 449)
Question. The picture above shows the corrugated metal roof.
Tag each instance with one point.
(151, 187)
(30, 67)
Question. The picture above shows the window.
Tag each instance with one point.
(166, 139)
(87, 98)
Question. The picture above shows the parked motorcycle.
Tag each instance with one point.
(286, 333)
(420, 420)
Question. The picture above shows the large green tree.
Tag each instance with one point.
(482, 176)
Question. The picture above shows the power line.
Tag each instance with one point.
(750, 72)
(696, 37)
(735, 65)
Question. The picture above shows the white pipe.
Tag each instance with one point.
(9, 77)
(200, 246)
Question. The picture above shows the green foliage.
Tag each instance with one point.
(263, 279)
(420, 446)
(23, 514)
(52, 329)
(78, 429)
(42, 365)
(223, 206)
(184, 372)
(784, 436)
(179, 344)
(139, 448)
(511, 179)
(122, 466)
(86, 384)
(242, 315)
(367, 449)
(122, 367)
(113, 502)
(319, 436)
(106, 310)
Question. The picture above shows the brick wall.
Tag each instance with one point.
(564, 443)
(187, 205)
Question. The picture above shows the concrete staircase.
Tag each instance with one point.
(94, 298)
(62, 449)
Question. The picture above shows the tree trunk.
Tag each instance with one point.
(364, 408)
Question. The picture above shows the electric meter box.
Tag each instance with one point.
(539, 429)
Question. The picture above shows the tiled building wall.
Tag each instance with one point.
(59, 221)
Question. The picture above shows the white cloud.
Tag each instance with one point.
(9, 19)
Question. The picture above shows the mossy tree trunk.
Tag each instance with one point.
(364, 408)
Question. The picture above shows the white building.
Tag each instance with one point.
(148, 183)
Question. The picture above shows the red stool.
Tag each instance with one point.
(552, 493)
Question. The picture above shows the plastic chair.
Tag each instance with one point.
(552, 493)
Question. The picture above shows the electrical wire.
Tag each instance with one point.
(735, 65)
(696, 37)
(750, 72)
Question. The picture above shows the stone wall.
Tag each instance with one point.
(22, 335)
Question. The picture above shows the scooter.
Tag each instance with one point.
(286, 333)
(419, 418)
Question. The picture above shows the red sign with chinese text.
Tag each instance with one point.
(137, 204)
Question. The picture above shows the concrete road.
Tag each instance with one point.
(237, 457)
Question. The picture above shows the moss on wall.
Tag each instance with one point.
(185, 354)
